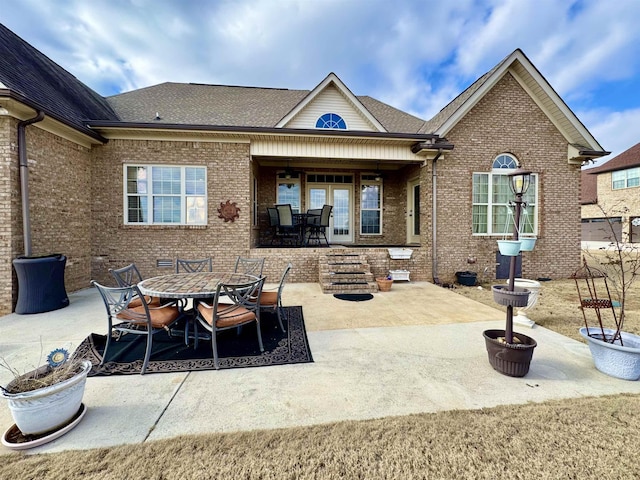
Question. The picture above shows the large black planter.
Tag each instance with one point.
(512, 359)
(40, 283)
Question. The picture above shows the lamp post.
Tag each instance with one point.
(519, 183)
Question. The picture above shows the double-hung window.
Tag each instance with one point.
(627, 178)
(165, 195)
(491, 196)
(370, 205)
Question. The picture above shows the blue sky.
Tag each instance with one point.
(416, 55)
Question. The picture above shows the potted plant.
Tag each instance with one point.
(384, 283)
(509, 352)
(47, 400)
(614, 351)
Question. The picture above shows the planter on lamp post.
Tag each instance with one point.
(509, 353)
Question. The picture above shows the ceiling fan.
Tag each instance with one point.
(290, 172)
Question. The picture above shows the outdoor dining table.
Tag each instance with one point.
(190, 286)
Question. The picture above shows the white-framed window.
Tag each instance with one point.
(370, 205)
(165, 195)
(627, 178)
(288, 190)
(491, 196)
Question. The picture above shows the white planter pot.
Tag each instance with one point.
(611, 358)
(534, 288)
(48, 408)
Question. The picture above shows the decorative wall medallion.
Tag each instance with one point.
(229, 211)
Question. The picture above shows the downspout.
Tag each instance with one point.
(434, 218)
(24, 179)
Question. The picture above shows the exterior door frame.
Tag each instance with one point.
(413, 203)
(329, 188)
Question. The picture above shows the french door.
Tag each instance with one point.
(341, 197)
(413, 211)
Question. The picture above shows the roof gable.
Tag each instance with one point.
(530, 79)
(329, 94)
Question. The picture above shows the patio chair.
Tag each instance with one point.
(273, 224)
(194, 266)
(319, 228)
(233, 305)
(128, 276)
(287, 227)
(272, 300)
(143, 319)
(250, 266)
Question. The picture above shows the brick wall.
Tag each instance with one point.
(508, 120)
(59, 172)
(9, 210)
(115, 244)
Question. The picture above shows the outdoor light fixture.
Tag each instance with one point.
(520, 180)
(378, 174)
(288, 173)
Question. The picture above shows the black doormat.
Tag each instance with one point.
(353, 297)
(235, 349)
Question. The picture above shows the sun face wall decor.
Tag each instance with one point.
(228, 211)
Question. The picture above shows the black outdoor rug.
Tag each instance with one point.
(353, 297)
(236, 350)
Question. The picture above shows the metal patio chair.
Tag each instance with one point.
(128, 276)
(194, 266)
(250, 266)
(319, 228)
(234, 305)
(143, 319)
(272, 300)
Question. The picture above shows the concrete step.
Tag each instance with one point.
(331, 277)
(367, 287)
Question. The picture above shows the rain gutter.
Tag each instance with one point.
(434, 218)
(24, 178)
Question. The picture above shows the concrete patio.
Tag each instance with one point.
(418, 348)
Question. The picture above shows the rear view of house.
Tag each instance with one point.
(147, 176)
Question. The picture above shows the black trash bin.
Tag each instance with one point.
(468, 279)
(41, 283)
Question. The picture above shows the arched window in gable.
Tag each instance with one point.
(505, 160)
(331, 120)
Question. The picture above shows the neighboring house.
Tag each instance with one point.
(140, 176)
(612, 189)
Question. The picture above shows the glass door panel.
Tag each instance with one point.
(413, 211)
(341, 223)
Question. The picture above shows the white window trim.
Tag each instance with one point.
(626, 178)
(503, 171)
(149, 195)
(380, 184)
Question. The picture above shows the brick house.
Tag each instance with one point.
(614, 188)
(434, 186)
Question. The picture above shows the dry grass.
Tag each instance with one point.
(558, 308)
(585, 438)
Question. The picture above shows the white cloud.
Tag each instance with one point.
(414, 54)
(615, 131)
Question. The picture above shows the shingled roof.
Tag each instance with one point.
(223, 105)
(628, 159)
(28, 73)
